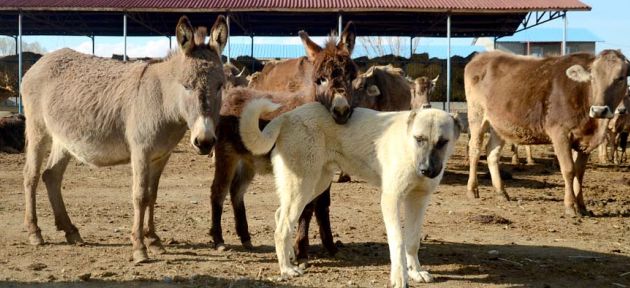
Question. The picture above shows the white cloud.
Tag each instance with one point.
(151, 48)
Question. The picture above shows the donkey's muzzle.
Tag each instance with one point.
(600, 112)
(341, 114)
(204, 146)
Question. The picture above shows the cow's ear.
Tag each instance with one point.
(373, 91)
(578, 73)
(312, 49)
(219, 34)
(412, 116)
(184, 32)
(457, 124)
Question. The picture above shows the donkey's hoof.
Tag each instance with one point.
(584, 212)
(74, 238)
(343, 178)
(248, 245)
(157, 249)
(472, 194)
(140, 256)
(36, 238)
(302, 263)
(571, 211)
(220, 247)
(503, 196)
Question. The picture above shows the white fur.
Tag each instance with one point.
(380, 147)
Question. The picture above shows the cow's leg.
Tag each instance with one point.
(343, 177)
(153, 241)
(52, 177)
(614, 147)
(416, 203)
(602, 151)
(580, 167)
(562, 148)
(514, 149)
(301, 243)
(226, 162)
(243, 176)
(35, 152)
(140, 167)
(322, 214)
(528, 154)
(477, 129)
(495, 144)
(623, 144)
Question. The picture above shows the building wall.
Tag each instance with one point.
(545, 48)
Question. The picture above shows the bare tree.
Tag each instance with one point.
(375, 45)
(7, 47)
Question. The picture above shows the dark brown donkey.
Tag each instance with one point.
(332, 74)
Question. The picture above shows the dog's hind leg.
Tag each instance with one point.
(416, 203)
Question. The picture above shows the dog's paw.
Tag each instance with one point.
(290, 272)
(398, 283)
(421, 276)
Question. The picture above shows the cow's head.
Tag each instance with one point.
(366, 87)
(607, 76)
(421, 89)
(234, 77)
(333, 72)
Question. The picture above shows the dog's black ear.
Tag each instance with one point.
(412, 116)
(457, 124)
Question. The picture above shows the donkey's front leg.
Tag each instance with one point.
(390, 207)
(153, 241)
(141, 197)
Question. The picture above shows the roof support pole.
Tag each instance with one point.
(448, 65)
(229, 54)
(251, 51)
(20, 67)
(564, 34)
(410, 47)
(339, 25)
(125, 37)
(93, 47)
(170, 42)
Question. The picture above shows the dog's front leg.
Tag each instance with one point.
(390, 205)
(416, 203)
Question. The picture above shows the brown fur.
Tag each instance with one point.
(616, 136)
(383, 88)
(327, 72)
(527, 100)
(106, 112)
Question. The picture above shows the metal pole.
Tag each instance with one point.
(339, 25)
(251, 52)
(19, 49)
(448, 65)
(170, 42)
(229, 54)
(125, 37)
(564, 34)
(93, 47)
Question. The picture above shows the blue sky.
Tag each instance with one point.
(608, 20)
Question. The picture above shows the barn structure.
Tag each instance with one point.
(409, 18)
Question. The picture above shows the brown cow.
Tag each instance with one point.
(421, 91)
(234, 77)
(617, 135)
(331, 74)
(565, 101)
(289, 75)
(383, 88)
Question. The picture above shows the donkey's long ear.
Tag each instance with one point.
(184, 32)
(219, 34)
(348, 38)
(312, 49)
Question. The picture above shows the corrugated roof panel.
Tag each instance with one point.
(261, 5)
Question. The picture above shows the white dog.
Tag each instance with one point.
(403, 152)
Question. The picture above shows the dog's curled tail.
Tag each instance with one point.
(256, 141)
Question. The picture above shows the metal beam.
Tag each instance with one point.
(93, 47)
(540, 17)
(564, 34)
(339, 25)
(20, 67)
(251, 52)
(229, 54)
(146, 25)
(125, 37)
(448, 65)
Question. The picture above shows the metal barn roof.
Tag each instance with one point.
(276, 17)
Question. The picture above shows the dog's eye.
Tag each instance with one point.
(440, 144)
(421, 139)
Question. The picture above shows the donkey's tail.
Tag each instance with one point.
(256, 141)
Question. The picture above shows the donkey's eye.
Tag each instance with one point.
(441, 143)
(187, 86)
(321, 81)
(421, 139)
(620, 78)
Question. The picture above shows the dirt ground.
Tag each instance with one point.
(534, 244)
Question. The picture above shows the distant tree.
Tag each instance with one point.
(7, 47)
(375, 45)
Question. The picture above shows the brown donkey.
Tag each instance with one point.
(332, 74)
(105, 112)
